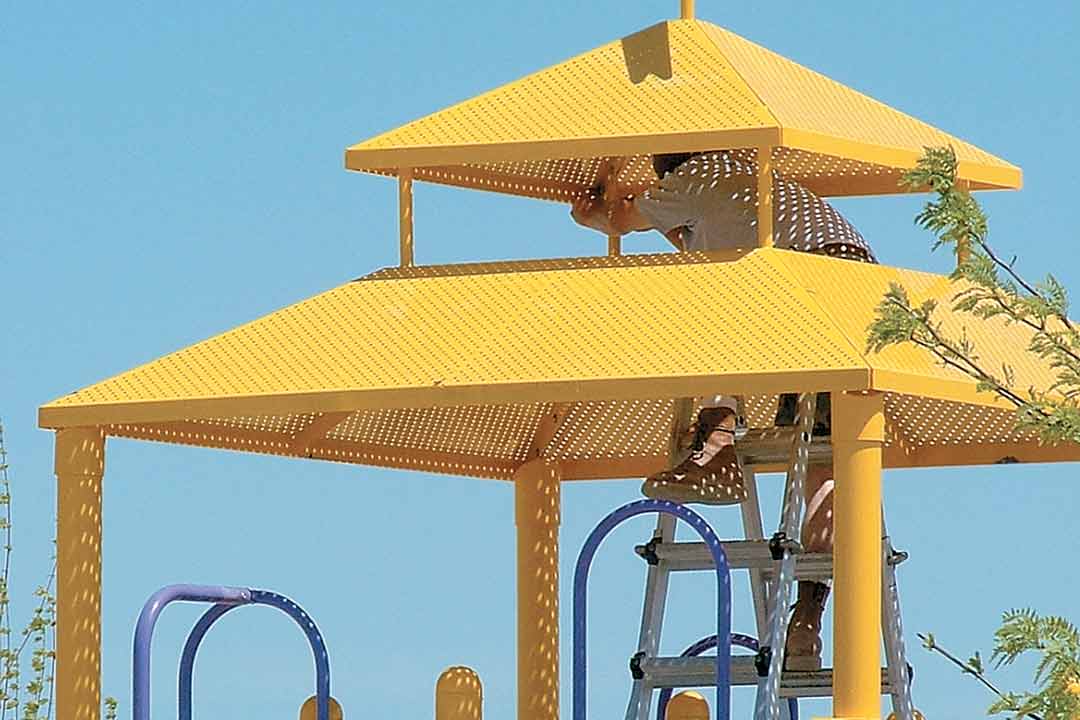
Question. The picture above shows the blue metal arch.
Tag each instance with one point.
(723, 597)
(225, 599)
(708, 643)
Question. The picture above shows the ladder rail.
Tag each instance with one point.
(768, 696)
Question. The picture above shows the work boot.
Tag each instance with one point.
(803, 646)
(711, 474)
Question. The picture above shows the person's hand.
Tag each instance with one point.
(591, 211)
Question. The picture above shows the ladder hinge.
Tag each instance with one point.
(780, 543)
(896, 557)
(635, 665)
(763, 660)
(648, 551)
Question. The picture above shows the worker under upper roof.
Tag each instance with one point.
(708, 201)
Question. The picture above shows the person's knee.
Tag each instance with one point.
(818, 527)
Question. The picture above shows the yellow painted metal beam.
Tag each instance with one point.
(439, 395)
(79, 464)
(686, 9)
(765, 197)
(405, 215)
(358, 158)
(614, 245)
(1004, 177)
(858, 433)
(537, 507)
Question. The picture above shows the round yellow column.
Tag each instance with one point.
(459, 695)
(536, 512)
(858, 430)
(688, 705)
(80, 464)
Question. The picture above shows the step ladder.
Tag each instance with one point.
(773, 565)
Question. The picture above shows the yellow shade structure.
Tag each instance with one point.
(456, 368)
(678, 86)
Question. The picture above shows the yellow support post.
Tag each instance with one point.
(405, 215)
(459, 695)
(963, 251)
(858, 432)
(686, 9)
(614, 245)
(765, 197)
(688, 705)
(536, 512)
(79, 465)
(309, 710)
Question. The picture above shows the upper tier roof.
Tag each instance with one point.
(680, 85)
(461, 368)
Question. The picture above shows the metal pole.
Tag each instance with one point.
(686, 9)
(536, 512)
(765, 197)
(858, 433)
(80, 465)
(144, 632)
(459, 695)
(614, 245)
(723, 598)
(405, 215)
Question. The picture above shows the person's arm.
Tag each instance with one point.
(617, 217)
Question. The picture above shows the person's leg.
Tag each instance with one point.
(711, 473)
(804, 633)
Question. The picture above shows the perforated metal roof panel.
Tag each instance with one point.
(681, 85)
(461, 368)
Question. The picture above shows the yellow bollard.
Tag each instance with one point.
(688, 705)
(307, 710)
(459, 695)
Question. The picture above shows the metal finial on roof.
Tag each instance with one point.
(686, 9)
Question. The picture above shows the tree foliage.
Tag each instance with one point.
(987, 287)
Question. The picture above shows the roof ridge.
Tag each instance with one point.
(704, 26)
(776, 260)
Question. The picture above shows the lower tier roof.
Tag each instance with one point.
(473, 369)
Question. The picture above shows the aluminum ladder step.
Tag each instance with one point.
(772, 446)
(681, 672)
(741, 555)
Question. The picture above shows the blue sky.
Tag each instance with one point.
(171, 172)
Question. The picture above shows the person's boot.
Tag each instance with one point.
(711, 474)
(803, 646)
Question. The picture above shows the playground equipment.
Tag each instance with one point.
(723, 597)
(545, 371)
(224, 599)
(775, 565)
(705, 644)
(459, 695)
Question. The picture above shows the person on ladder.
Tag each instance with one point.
(707, 201)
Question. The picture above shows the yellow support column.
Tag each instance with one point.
(459, 695)
(405, 215)
(536, 513)
(858, 431)
(614, 245)
(688, 705)
(765, 197)
(80, 464)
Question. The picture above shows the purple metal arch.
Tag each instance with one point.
(144, 632)
(723, 597)
(708, 643)
(187, 658)
(225, 599)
